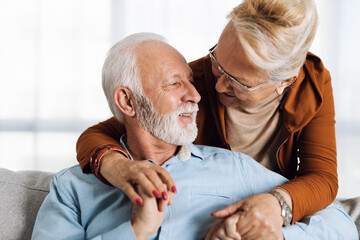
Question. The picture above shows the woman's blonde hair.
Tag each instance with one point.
(276, 34)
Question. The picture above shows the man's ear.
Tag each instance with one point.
(124, 100)
(284, 84)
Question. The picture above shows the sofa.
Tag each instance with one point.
(21, 195)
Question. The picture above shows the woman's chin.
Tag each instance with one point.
(228, 100)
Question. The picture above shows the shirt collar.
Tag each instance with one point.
(183, 154)
(123, 145)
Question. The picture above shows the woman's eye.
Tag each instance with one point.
(229, 78)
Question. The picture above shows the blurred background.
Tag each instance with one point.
(52, 51)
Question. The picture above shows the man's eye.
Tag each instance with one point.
(175, 84)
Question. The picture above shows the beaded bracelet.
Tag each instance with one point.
(96, 159)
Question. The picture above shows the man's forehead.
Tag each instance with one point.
(151, 47)
(160, 58)
(151, 53)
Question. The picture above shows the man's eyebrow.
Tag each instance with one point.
(177, 75)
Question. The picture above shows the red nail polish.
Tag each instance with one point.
(164, 195)
(156, 194)
(139, 202)
(174, 190)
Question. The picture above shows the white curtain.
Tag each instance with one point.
(52, 51)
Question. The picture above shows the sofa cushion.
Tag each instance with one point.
(352, 207)
(21, 195)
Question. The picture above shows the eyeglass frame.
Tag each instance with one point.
(244, 89)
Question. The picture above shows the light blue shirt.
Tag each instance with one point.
(207, 179)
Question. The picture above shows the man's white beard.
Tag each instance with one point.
(166, 127)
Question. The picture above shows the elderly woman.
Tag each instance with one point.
(263, 94)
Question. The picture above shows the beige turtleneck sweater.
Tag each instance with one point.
(255, 130)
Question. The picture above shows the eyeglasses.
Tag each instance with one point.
(232, 80)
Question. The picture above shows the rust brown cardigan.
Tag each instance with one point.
(307, 155)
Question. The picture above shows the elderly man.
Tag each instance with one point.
(148, 85)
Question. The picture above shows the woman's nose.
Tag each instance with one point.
(222, 84)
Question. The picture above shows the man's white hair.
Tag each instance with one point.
(121, 70)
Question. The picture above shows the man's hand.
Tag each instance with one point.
(224, 229)
(256, 217)
(147, 219)
(124, 174)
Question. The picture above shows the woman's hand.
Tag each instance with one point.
(123, 173)
(256, 217)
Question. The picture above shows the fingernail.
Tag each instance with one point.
(212, 214)
(164, 195)
(173, 188)
(139, 202)
(156, 194)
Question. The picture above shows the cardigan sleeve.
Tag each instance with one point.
(316, 182)
(103, 133)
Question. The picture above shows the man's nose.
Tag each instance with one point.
(192, 94)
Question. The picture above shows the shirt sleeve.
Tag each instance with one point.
(124, 230)
(59, 217)
(329, 223)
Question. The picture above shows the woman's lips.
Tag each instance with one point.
(228, 95)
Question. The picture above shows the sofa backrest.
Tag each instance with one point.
(352, 207)
(21, 195)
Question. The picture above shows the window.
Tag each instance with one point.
(52, 53)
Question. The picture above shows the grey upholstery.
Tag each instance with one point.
(352, 207)
(21, 195)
